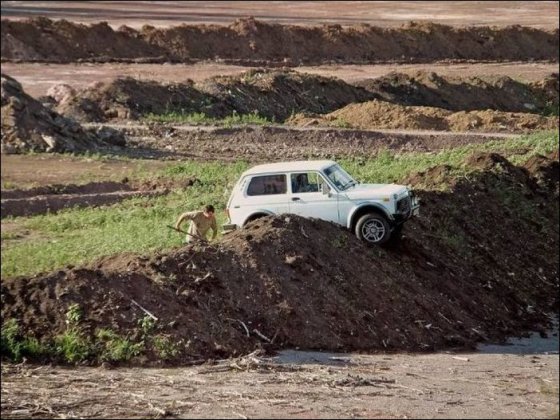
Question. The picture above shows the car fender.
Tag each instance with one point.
(260, 211)
(361, 205)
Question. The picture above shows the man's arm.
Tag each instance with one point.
(214, 228)
(185, 216)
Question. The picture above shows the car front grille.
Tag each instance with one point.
(403, 205)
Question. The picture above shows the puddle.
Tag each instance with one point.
(534, 344)
(301, 357)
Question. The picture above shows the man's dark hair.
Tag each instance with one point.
(209, 208)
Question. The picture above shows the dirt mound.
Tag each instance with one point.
(465, 94)
(376, 114)
(43, 39)
(479, 264)
(28, 126)
(546, 171)
(252, 41)
(272, 94)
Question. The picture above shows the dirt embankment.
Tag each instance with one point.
(280, 94)
(465, 94)
(376, 114)
(29, 126)
(252, 41)
(480, 263)
(273, 94)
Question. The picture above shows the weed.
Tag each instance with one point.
(147, 324)
(14, 346)
(165, 348)
(73, 346)
(73, 314)
(116, 348)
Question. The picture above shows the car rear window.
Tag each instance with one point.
(267, 185)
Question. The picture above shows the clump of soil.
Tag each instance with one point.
(251, 41)
(28, 126)
(384, 115)
(460, 94)
(272, 94)
(479, 264)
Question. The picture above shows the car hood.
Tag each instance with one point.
(374, 191)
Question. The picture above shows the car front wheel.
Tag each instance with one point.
(373, 229)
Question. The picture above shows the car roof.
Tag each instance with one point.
(299, 165)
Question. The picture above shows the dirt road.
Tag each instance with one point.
(442, 385)
(540, 14)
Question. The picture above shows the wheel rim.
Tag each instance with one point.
(373, 230)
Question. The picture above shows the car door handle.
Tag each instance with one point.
(296, 198)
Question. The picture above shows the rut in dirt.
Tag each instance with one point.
(479, 264)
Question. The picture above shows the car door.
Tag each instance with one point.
(310, 201)
(264, 193)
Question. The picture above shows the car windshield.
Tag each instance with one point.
(340, 177)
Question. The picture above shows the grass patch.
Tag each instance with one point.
(78, 236)
(200, 118)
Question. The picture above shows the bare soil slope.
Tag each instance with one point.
(490, 269)
(28, 126)
(384, 115)
(251, 41)
(465, 93)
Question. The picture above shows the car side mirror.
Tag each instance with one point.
(325, 188)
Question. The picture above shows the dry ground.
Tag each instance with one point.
(442, 385)
(37, 78)
(540, 14)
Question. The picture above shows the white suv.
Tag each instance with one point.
(323, 190)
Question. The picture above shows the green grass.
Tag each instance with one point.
(200, 118)
(138, 225)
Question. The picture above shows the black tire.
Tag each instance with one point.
(373, 229)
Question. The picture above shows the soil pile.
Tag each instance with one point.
(460, 94)
(272, 94)
(480, 263)
(252, 41)
(61, 41)
(28, 126)
(384, 115)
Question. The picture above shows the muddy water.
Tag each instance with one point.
(535, 343)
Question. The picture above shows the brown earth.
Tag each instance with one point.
(28, 126)
(442, 385)
(277, 143)
(538, 14)
(273, 94)
(250, 41)
(384, 115)
(38, 78)
(278, 95)
(286, 282)
(465, 94)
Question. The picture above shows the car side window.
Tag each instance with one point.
(267, 185)
(304, 182)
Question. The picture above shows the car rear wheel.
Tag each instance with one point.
(373, 229)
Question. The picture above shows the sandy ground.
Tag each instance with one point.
(541, 14)
(37, 78)
(442, 385)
